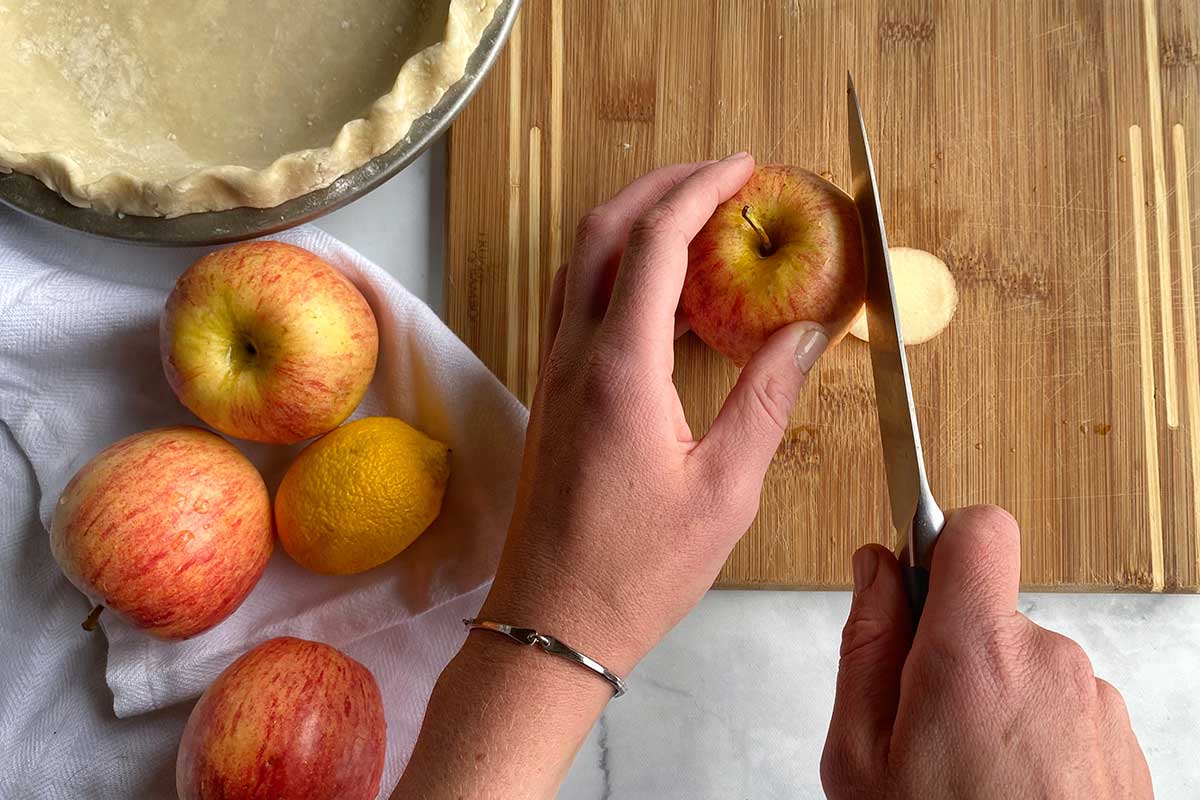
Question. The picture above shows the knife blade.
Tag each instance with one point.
(915, 514)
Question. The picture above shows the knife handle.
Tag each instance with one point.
(916, 583)
(927, 525)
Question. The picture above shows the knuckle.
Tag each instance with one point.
(556, 376)
(560, 281)
(1077, 668)
(834, 770)
(975, 669)
(845, 770)
(1109, 696)
(936, 653)
(861, 632)
(1071, 659)
(999, 662)
(1002, 655)
(1072, 666)
(593, 226)
(588, 368)
(655, 222)
(830, 768)
(598, 379)
(605, 377)
(769, 401)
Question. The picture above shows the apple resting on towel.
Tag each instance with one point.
(170, 528)
(289, 719)
(787, 247)
(265, 341)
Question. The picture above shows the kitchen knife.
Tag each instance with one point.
(915, 514)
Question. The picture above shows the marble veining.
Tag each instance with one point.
(602, 746)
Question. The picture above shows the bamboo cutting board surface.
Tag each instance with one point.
(1045, 150)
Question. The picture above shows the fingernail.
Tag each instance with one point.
(810, 346)
(866, 565)
(738, 156)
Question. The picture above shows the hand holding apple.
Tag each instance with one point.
(265, 341)
(171, 528)
(786, 248)
(289, 720)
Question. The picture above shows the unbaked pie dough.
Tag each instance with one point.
(168, 107)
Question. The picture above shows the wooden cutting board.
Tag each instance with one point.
(1045, 150)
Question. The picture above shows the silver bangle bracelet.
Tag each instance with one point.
(548, 644)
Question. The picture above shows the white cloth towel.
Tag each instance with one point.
(79, 369)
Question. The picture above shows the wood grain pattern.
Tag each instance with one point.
(1145, 358)
(1044, 149)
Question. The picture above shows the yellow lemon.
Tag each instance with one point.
(360, 494)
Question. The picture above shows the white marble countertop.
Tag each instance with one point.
(735, 702)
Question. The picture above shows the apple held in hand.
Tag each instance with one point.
(265, 341)
(787, 247)
(171, 528)
(289, 720)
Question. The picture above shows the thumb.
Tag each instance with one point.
(875, 643)
(751, 423)
(976, 572)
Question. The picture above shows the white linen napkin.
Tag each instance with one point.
(79, 369)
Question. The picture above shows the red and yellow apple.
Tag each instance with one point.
(289, 720)
(265, 341)
(786, 247)
(170, 528)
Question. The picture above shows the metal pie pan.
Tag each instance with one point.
(31, 196)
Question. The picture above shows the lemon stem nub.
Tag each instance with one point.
(93, 619)
(764, 241)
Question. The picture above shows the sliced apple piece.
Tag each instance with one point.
(926, 296)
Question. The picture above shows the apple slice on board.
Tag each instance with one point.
(926, 297)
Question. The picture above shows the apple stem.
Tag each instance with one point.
(764, 241)
(93, 619)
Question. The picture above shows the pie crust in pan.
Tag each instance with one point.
(169, 107)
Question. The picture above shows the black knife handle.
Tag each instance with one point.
(917, 559)
(916, 583)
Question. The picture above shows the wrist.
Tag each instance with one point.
(571, 610)
(531, 675)
(504, 720)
